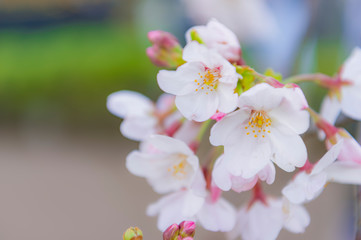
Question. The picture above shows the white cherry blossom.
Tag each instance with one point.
(351, 149)
(214, 214)
(167, 163)
(176, 207)
(141, 116)
(349, 93)
(226, 181)
(265, 128)
(264, 221)
(216, 36)
(203, 85)
(307, 185)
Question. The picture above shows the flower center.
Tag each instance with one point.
(178, 170)
(209, 80)
(258, 124)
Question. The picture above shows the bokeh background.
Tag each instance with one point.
(62, 173)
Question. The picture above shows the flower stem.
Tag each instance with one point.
(318, 78)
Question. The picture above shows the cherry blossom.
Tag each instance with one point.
(176, 207)
(203, 85)
(266, 127)
(167, 163)
(226, 181)
(212, 211)
(217, 214)
(346, 93)
(262, 221)
(351, 150)
(216, 36)
(309, 183)
(141, 116)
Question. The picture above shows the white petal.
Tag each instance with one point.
(291, 111)
(297, 219)
(351, 67)
(304, 187)
(170, 209)
(268, 173)
(180, 82)
(229, 124)
(240, 184)
(351, 101)
(247, 156)
(225, 181)
(195, 52)
(227, 98)
(346, 173)
(192, 204)
(165, 102)
(351, 150)
(294, 192)
(167, 144)
(188, 131)
(219, 216)
(198, 187)
(221, 176)
(145, 165)
(138, 128)
(261, 97)
(261, 222)
(330, 109)
(197, 106)
(125, 103)
(289, 149)
(328, 158)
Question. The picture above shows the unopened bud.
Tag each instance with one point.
(166, 50)
(171, 233)
(133, 233)
(187, 229)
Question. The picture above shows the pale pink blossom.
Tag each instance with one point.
(217, 214)
(309, 183)
(351, 149)
(226, 181)
(213, 213)
(176, 207)
(141, 116)
(203, 85)
(265, 128)
(346, 97)
(167, 163)
(216, 36)
(262, 221)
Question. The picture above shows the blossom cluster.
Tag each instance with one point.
(257, 120)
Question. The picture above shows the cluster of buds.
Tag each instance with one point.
(184, 231)
(258, 120)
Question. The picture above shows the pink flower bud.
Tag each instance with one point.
(171, 233)
(166, 50)
(163, 39)
(187, 229)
